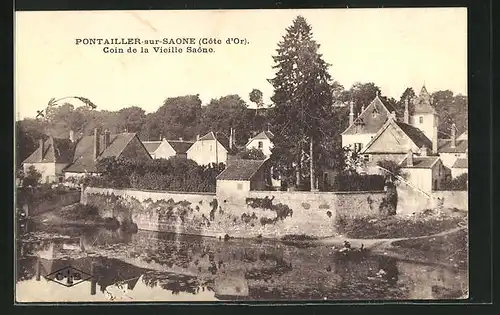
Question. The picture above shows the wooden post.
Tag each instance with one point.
(311, 163)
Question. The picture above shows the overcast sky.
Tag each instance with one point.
(394, 48)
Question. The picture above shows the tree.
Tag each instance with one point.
(28, 133)
(31, 178)
(408, 95)
(227, 112)
(302, 98)
(130, 119)
(393, 173)
(251, 154)
(361, 94)
(256, 97)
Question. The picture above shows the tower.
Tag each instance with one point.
(424, 116)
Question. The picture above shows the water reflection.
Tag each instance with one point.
(161, 267)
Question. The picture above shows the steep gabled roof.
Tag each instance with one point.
(180, 146)
(223, 140)
(461, 163)
(414, 134)
(264, 135)
(83, 160)
(371, 119)
(151, 146)
(420, 162)
(241, 170)
(444, 146)
(422, 103)
(56, 150)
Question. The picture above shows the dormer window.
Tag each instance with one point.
(260, 145)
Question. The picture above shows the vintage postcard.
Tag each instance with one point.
(180, 156)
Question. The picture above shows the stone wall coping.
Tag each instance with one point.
(275, 192)
(155, 191)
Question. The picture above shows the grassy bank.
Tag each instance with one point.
(428, 222)
(449, 249)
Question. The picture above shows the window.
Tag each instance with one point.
(358, 147)
(261, 145)
(239, 186)
(366, 158)
(210, 148)
(421, 119)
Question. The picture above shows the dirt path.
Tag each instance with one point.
(377, 243)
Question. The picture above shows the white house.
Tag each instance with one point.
(454, 148)
(242, 176)
(364, 127)
(167, 148)
(426, 173)
(209, 149)
(262, 141)
(424, 116)
(461, 166)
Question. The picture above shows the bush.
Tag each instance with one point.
(174, 174)
(356, 182)
(458, 183)
(31, 178)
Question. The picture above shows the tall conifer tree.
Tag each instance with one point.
(303, 102)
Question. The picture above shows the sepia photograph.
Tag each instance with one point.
(241, 155)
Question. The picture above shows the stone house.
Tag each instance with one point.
(90, 149)
(392, 142)
(242, 176)
(262, 141)
(426, 173)
(167, 148)
(50, 158)
(210, 149)
(364, 127)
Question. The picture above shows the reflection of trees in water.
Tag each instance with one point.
(173, 282)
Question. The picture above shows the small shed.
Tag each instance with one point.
(241, 176)
(460, 167)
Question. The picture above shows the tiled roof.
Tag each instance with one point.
(83, 160)
(151, 146)
(461, 163)
(420, 162)
(444, 146)
(370, 120)
(264, 135)
(220, 137)
(463, 136)
(180, 146)
(56, 150)
(416, 135)
(241, 170)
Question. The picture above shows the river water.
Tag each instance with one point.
(149, 266)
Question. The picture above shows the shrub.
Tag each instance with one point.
(31, 178)
(458, 183)
(356, 182)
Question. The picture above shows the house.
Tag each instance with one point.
(166, 148)
(50, 158)
(241, 176)
(89, 149)
(452, 149)
(210, 149)
(426, 173)
(363, 128)
(262, 141)
(463, 136)
(461, 166)
(392, 142)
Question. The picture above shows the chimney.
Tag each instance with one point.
(453, 136)
(180, 138)
(107, 139)
(351, 113)
(71, 136)
(423, 151)
(435, 136)
(407, 113)
(362, 109)
(97, 143)
(197, 137)
(409, 159)
(42, 148)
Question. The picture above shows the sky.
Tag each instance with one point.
(394, 48)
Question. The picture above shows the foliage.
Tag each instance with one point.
(31, 178)
(131, 119)
(302, 98)
(282, 210)
(356, 182)
(392, 170)
(251, 154)
(458, 183)
(256, 97)
(28, 133)
(174, 174)
(353, 160)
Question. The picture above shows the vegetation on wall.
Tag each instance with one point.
(458, 183)
(282, 210)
